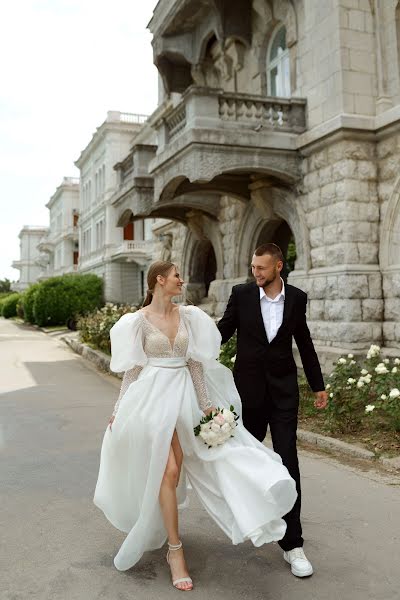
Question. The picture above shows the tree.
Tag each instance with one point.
(5, 285)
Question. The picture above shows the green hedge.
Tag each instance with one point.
(3, 298)
(9, 305)
(58, 299)
(27, 301)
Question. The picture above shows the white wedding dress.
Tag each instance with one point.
(242, 484)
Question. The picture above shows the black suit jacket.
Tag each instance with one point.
(264, 369)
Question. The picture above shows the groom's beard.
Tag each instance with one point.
(266, 282)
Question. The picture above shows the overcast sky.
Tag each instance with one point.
(63, 65)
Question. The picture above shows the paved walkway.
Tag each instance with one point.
(55, 545)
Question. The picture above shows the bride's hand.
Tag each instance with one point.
(111, 421)
(210, 410)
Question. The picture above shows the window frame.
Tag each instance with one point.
(279, 63)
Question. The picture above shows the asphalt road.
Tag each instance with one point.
(55, 544)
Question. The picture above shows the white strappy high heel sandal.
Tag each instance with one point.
(173, 548)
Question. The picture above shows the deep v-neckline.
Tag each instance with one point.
(172, 346)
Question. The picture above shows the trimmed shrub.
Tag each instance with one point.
(28, 300)
(9, 306)
(58, 299)
(20, 308)
(3, 298)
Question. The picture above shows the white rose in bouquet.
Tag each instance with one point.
(226, 428)
(217, 427)
(228, 416)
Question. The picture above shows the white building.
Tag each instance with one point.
(29, 236)
(59, 248)
(118, 251)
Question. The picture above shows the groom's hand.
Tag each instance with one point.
(321, 399)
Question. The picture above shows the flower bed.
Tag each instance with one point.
(364, 402)
(94, 329)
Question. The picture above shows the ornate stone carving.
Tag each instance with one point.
(166, 248)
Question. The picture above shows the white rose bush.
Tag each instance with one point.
(363, 394)
(94, 329)
(217, 427)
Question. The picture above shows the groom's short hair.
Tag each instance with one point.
(271, 249)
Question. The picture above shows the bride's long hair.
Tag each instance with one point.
(160, 267)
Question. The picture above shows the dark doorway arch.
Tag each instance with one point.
(279, 233)
(202, 268)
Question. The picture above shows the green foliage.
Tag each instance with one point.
(58, 299)
(27, 301)
(95, 327)
(3, 298)
(364, 393)
(291, 256)
(20, 308)
(227, 355)
(9, 306)
(5, 285)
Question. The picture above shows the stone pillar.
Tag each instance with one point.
(230, 217)
(388, 150)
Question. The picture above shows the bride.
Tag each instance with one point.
(150, 454)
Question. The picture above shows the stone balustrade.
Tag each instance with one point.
(216, 109)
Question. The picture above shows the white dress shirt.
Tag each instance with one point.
(272, 311)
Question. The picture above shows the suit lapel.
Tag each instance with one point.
(287, 309)
(256, 306)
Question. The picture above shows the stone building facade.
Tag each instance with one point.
(279, 121)
(59, 248)
(119, 252)
(27, 264)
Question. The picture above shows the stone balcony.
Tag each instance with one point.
(71, 233)
(138, 251)
(221, 138)
(135, 187)
(46, 244)
(17, 264)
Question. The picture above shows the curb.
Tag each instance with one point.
(98, 358)
(102, 361)
(329, 443)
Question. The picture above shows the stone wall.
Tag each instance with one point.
(342, 213)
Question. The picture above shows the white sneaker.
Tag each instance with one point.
(300, 565)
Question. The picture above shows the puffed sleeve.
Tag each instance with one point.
(204, 337)
(127, 343)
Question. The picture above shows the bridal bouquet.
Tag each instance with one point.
(217, 427)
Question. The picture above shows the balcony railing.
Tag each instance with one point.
(70, 231)
(114, 116)
(135, 247)
(205, 108)
(132, 245)
(71, 181)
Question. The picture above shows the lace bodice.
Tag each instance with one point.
(157, 345)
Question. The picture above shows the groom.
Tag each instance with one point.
(267, 314)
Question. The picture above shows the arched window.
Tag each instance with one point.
(278, 65)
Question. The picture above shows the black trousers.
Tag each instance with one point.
(283, 427)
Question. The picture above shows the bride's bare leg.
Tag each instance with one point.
(176, 447)
(169, 509)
